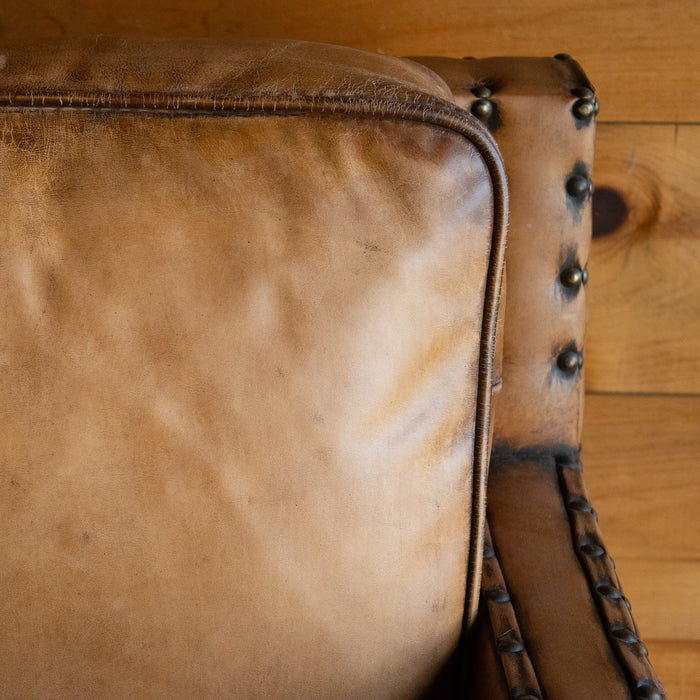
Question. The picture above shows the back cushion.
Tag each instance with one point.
(245, 345)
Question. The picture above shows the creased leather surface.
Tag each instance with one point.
(541, 144)
(558, 620)
(240, 371)
(211, 69)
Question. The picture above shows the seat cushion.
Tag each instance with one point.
(249, 306)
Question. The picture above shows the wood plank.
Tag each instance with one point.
(642, 55)
(644, 293)
(640, 460)
(664, 593)
(677, 663)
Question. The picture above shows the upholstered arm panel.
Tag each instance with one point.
(559, 624)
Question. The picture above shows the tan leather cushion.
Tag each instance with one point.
(243, 371)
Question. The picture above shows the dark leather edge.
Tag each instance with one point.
(510, 646)
(598, 568)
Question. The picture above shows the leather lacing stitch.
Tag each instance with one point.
(599, 568)
(517, 667)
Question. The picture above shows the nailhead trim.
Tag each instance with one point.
(517, 666)
(604, 584)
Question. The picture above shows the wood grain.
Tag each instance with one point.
(644, 294)
(678, 665)
(641, 54)
(641, 455)
(640, 459)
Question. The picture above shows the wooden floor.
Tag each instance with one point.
(642, 428)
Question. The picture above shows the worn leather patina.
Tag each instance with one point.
(249, 317)
(555, 622)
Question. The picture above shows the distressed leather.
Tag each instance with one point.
(555, 622)
(249, 318)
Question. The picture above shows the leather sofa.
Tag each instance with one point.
(283, 413)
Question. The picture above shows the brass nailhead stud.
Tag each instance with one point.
(481, 91)
(482, 109)
(649, 691)
(570, 361)
(584, 109)
(579, 186)
(498, 594)
(571, 277)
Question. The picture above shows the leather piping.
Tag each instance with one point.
(515, 660)
(429, 111)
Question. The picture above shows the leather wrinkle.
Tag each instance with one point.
(435, 114)
(441, 115)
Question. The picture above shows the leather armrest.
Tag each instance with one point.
(554, 620)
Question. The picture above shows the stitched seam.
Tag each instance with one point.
(518, 670)
(598, 567)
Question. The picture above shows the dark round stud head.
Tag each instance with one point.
(509, 643)
(596, 106)
(625, 635)
(579, 504)
(481, 91)
(649, 691)
(571, 277)
(579, 186)
(570, 361)
(585, 93)
(562, 57)
(584, 275)
(482, 109)
(592, 549)
(584, 109)
(608, 591)
(498, 594)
